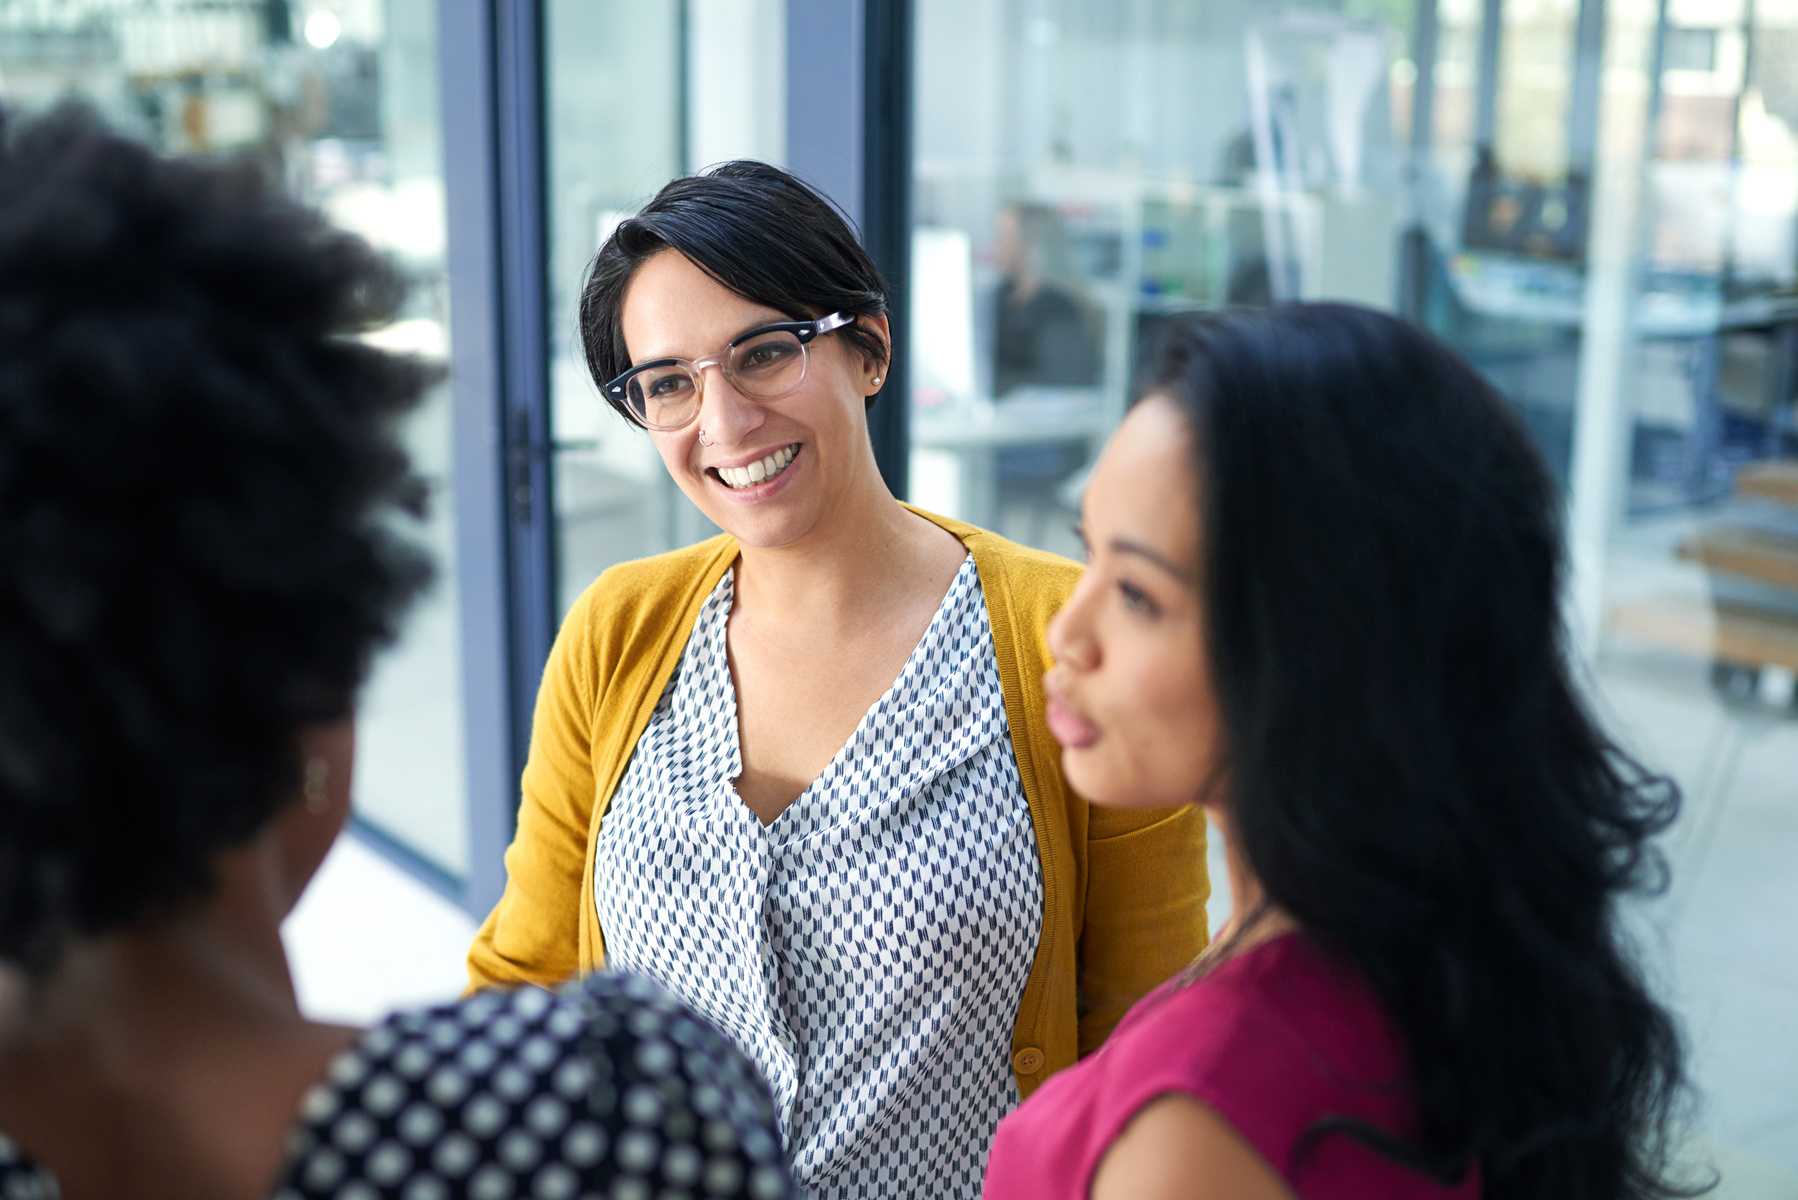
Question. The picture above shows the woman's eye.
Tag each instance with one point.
(1137, 600)
(765, 356)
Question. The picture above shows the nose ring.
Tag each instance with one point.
(702, 440)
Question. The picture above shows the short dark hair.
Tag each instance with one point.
(1412, 772)
(198, 471)
(757, 230)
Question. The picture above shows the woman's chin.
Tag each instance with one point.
(1097, 782)
(764, 529)
(777, 519)
(1087, 775)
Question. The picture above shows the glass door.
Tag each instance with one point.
(616, 99)
(638, 92)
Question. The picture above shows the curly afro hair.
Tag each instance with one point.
(199, 475)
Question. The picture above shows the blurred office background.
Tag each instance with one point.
(1595, 200)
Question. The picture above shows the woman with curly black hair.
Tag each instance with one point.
(198, 471)
(1323, 603)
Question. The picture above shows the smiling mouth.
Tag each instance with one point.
(760, 471)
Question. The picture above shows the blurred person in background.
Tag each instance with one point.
(1323, 603)
(798, 773)
(1045, 331)
(198, 479)
(1046, 334)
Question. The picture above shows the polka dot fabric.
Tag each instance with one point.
(608, 1091)
(868, 949)
(20, 1179)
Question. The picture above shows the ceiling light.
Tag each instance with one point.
(323, 29)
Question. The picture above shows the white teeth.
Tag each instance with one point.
(757, 472)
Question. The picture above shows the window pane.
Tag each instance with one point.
(341, 101)
(1652, 355)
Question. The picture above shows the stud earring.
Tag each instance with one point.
(877, 381)
(318, 776)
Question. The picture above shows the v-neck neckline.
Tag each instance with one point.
(718, 656)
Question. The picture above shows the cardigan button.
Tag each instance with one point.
(1027, 1061)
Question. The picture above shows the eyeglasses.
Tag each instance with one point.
(763, 364)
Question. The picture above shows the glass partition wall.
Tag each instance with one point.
(340, 100)
(1594, 200)
(1083, 172)
(1629, 284)
(638, 93)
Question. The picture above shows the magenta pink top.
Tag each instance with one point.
(1272, 1040)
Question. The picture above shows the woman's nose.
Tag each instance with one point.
(726, 415)
(1070, 633)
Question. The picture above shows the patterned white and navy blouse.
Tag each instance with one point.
(869, 947)
(610, 1090)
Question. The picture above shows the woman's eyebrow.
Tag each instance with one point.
(1126, 546)
(763, 323)
(758, 323)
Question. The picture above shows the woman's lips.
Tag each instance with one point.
(1071, 731)
(757, 492)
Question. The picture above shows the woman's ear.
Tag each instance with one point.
(307, 829)
(874, 371)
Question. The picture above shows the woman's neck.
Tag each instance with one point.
(163, 1058)
(1253, 918)
(864, 559)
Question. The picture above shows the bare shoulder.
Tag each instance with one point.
(1178, 1148)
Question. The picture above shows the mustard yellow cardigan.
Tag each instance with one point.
(1123, 890)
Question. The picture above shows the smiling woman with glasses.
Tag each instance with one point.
(799, 773)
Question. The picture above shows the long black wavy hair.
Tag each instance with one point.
(1412, 773)
(198, 470)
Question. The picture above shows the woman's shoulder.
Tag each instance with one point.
(533, 1093)
(645, 585)
(1283, 1043)
(1027, 577)
(1285, 1006)
(1275, 1040)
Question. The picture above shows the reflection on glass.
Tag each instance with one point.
(339, 100)
(1616, 248)
(1086, 172)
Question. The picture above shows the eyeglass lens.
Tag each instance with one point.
(765, 367)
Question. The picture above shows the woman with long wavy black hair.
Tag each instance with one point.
(1323, 602)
